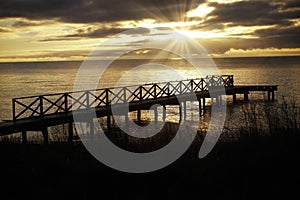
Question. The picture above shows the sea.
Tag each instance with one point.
(36, 78)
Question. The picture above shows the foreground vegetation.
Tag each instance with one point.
(263, 161)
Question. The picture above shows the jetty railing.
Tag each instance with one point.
(41, 105)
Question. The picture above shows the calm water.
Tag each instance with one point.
(24, 79)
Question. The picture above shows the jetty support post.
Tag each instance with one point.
(45, 135)
(221, 100)
(204, 109)
(108, 122)
(71, 132)
(139, 116)
(164, 113)
(234, 97)
(180, 112)
(155, 115)
(184, 110)
(246, 97)
(200, 108)
(218, 100)
(126, 119)
(92, 126)
(271, 98)
(24, 137)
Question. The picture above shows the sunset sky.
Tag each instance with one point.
(41, 30)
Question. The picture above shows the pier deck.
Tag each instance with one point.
(37, 113)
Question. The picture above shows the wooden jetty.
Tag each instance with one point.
(37, 113)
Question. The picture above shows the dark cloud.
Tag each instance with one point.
(208, 26)
(220, 46)
(271, 32)
(267, 38)
(97, 33)
(58, 38)
(24, 24)
(281, 37)
(279, 14)
(49, 54)
(96, 10)
(251, 13)
(4, 30)
(292, 4)
(90, 32)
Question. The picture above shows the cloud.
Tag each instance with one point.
(281, 37)
(263, 52)
(291, 4)
(4, 30)
(220, 46)
(26, 23)
(86, 33)
(251, 13)
(231, 24)
(83, 11)
(281, 19)
(46, 55)
(92, 32)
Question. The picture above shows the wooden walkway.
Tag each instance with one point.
(37, 113)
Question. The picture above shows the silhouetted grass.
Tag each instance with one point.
(271, 121)
(259, 159)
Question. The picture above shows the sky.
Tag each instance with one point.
(47, 30)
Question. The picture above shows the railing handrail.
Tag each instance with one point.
(109, 88)
(166, 89)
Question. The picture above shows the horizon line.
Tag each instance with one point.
(212, 57)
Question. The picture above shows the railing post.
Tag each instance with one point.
(230, 82)
(226, 81)
(87, 99)
(202, 84)
(14, 109)
(41, 106)
(66, 101)
(164, 113)
(155, 97)
(107, 97)
(125, 98)
(168, 91)
(180, 87)
(141, 93)
(192, 85)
